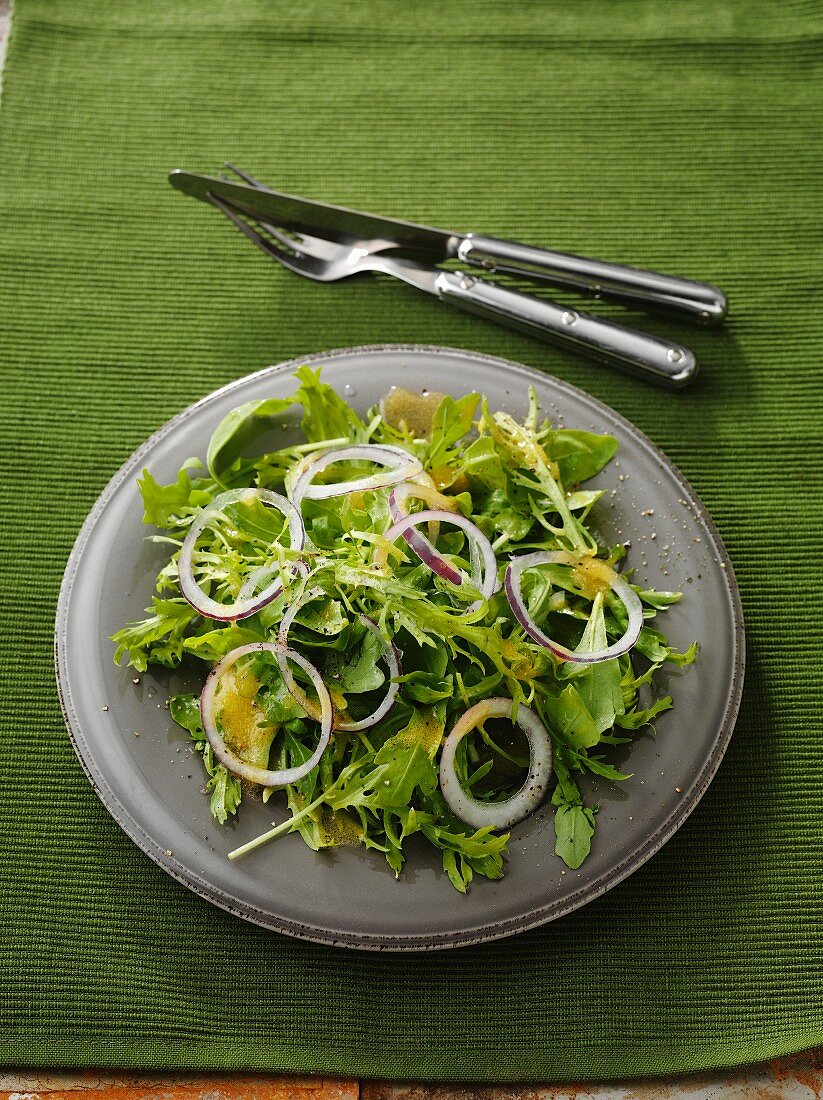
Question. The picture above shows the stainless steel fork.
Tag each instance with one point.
(661, 361)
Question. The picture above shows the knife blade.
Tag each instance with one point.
(337, 222)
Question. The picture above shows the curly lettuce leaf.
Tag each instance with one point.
(171, 507)
(325, 414)
(159, 639)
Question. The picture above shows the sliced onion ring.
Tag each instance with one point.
(390, 655)
(621, 588)
(421, 487)
(434, 560)
(399, 465)
(208, 716)
(499, 815)
(248, 602)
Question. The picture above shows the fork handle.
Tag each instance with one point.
(693, 301)
(656, 360)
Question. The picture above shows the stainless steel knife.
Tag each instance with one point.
(325, 260)
(693, 301)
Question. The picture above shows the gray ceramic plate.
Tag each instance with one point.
(151, 784)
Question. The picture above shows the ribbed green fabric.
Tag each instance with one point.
(684, 137)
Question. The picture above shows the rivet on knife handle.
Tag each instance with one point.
(661, 361)
(694, 301)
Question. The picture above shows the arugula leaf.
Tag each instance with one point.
(324, 827)
(638, 718)
(278, 704)
(403, 764)
(464, 853)
(407, 759)
(324, 617)
(358, 672)
(236, 431)
(601, 768)
(573, 822)
(482, 465)
(394, 843)
(425, 687)
(452, 420)
(566, 789)
(574, 829)
(571, 719)
(598, 685)
(185, 711)
(579, 455)
(461, 876)
(502, 518)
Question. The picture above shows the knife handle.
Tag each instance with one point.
(698, 302)
(661, 361)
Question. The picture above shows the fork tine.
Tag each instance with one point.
(245, 176)
(289, 242)
(252, 234)
(294, 242)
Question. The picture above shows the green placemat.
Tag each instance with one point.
(684, 137)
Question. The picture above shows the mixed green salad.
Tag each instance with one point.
(410, 623)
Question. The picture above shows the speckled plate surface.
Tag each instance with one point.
(151, 784)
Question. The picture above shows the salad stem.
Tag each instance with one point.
(278, 830)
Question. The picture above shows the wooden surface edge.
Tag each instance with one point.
(796, 1077)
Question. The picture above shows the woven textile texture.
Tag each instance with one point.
(680, 137)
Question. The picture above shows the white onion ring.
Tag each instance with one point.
(247, 603)
(390, 655)
(434, 560)
(621, 588)
(399, 465)
(224, 754)
(499, 815)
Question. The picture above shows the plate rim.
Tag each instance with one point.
(494, 929)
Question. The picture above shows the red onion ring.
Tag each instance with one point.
(434, 498)
(247, 603)
(435, 561)
(621, 588)
(400, 465)
(224, 754)
(499, 815)
(390, 655)
(418, 489)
